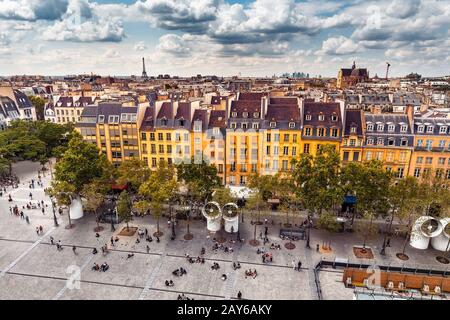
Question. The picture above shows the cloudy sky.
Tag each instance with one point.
(223, 37)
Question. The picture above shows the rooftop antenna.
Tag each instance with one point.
(144, 73)
(388, 65)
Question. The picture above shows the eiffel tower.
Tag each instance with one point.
(144, 73)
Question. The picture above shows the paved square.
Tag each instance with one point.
(32, 268)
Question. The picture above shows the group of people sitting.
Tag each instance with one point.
(215, 266)
(250, 273)
(218, 246)
(179, 272)
(104, 267)
(267, 257)
(198, 259)
(183, 297)
(236, 265)
(169, 283)
(274, 246)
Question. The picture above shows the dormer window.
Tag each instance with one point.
(233, 125)
(273, 124)
(443, 130)
(164, 122)
(353, 130)
(380, 141)
(321, 117)
(308, 117)
(234, 114)
(370, 141)
(101, 119)
(380, 127)
(391, 128)
(181, 122)
(421, 128)
(255, 125)
(430, 129)
(245, 114)
(255, 114)
(403, 128)
(334, 118)
(291, 125)
(370, 127)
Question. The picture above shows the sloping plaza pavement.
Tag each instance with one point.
(32, 268)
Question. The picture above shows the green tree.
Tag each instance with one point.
(95, 194)
(159, 189)
(370, 183)
(203, 175)
(133, 172)
(222, 195)
(64, 193)
(317, 180)
(81, 164)
(39, 105)
(124, 206)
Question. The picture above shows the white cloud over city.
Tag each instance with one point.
(259, 37)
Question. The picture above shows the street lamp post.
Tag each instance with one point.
(55, 220)
(308, 226)
(383, 248)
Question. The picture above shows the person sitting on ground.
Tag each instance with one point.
(116, 239)
(137, 240)
(97, 235)
(224, 277)
(94, 251)
(96, 267)
(203, 251)
(176, 272)
(130, 255)
(167, 283)
(104, 267)
(149, 239)
(171, 284)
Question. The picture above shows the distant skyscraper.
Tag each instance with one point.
(144, 73)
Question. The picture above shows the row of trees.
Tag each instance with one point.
(35, 141)
(317, 184)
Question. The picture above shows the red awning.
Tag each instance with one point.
(120, 187)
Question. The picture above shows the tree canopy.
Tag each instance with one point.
(81, 164)
(202, 175)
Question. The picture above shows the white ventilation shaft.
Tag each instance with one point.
(231, 217)
(213, 214)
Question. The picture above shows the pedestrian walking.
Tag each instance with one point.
(148, 249)
(299, 266)
(37, 230)
(52, 240)
(266, 229)
(31, 196)
(388, 242)
(239, 295)
(27, 219)
(41, 229)
(112, 241)
(317, 247)
(43, 211)
(74, 249)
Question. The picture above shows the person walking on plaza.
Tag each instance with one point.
(43, 211)
(299, 266)
(31, 196)
(37, 230)
(41, 229)
(27, 219)
(148, 249)
(74, 249)
(239, 295)
(52, 240)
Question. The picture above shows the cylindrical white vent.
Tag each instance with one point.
(231, 217)
(442, 241)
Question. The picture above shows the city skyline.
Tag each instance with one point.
(223, 37)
